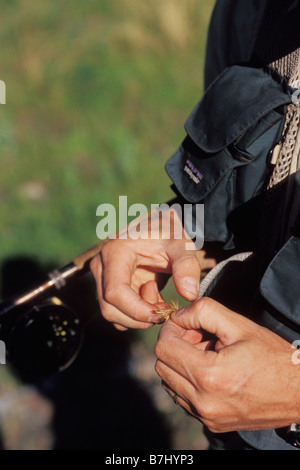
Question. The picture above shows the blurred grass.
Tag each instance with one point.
(97, 95)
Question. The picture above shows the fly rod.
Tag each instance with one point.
(54, 280)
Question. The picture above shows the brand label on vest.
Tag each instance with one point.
(192, 172)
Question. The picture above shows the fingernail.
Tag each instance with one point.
(155, 319)
(191, 285)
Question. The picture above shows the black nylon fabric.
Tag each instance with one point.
(223, 161)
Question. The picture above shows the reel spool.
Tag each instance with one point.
(43, 340)
(43, 336)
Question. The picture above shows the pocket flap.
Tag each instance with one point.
(195, 173)
(234, 102)
(280, 285)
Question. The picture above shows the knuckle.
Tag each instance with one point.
(214, 428)
(105, 312)
(206, 303)
(157, 367)
(94, 264)
(159, 349)
(208, 412)
(106, 250)
(205, 306)
(112, 247)
(116, 249)
(110, 293)
(210, 382)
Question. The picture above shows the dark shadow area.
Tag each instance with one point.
(98, 404)
(282, 17)
(254, 224)
(1, 442)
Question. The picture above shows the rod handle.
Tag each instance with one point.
(87, 255)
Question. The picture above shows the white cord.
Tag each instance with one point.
(215, 271)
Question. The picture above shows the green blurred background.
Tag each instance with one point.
(97, 93)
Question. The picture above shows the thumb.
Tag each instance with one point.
(211, 316)
(186, 273)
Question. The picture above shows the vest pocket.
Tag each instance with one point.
(280, 283)
(223, 160)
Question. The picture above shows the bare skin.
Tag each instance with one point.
(244, 380)
(130, 273)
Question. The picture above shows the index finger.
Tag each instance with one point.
(117, 290)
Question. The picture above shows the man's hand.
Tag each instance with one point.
(242, 380)
(130, 273)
